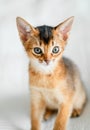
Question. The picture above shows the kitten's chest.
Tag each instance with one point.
(52, 97)
(49, 87)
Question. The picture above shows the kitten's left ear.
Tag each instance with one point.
(65, 27)
(25, 29)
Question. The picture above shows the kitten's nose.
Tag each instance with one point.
(47, 61)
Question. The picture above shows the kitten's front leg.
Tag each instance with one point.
(37, 111)
(63, 116)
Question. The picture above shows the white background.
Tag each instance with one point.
(14, 88)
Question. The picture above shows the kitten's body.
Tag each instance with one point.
(56, 86)
(55, 82)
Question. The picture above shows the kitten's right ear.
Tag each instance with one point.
(25, 29)
(65, 27)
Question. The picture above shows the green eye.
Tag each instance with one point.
(55, 49)
(37, 50)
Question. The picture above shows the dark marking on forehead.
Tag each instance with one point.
(45, 33)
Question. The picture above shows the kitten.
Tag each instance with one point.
(55, 82)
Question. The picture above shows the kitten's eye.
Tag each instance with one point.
(55, 49)
(37, 50)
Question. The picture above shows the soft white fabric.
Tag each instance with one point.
(14, 88)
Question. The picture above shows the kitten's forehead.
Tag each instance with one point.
(45, 33)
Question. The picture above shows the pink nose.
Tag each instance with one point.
(47, 61)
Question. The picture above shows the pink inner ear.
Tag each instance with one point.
(23, 37)
(22, 32)
(22, 29)
(65, 27)
(65, 31)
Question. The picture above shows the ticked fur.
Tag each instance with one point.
(55, 83)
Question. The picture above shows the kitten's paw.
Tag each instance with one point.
(49, 113)
(76, 112)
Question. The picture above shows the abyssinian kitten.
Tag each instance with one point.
(55, 82)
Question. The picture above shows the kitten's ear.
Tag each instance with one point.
(25, 29)
(65, 27)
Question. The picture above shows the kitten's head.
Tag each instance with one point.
(44, 44)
